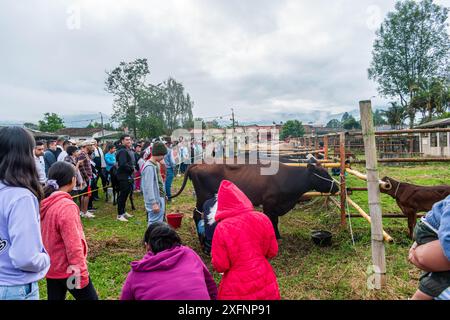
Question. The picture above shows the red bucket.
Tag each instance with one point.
(174, 220)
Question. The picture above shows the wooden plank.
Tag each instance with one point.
(342, 178)
(377, 232)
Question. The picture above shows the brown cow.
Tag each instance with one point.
(278, 193)
(413, 198)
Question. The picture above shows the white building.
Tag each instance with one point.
(437, 143)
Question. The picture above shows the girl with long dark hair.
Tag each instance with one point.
(64, 237)
(23, 259)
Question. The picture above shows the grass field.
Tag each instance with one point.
(304, 270)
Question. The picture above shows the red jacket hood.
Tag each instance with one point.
(52, 199)
(231, 201)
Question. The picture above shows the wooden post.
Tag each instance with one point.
(370, 150)
(325, 146)
(342, 176)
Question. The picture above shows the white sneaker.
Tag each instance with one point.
(128, 216)
(85, 215)
(122, 218)
(90, 214)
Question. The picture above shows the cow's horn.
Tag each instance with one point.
(387, 185)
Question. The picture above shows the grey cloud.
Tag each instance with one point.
(262, 57)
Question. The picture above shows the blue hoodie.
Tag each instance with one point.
(439, 219)
(23, 258)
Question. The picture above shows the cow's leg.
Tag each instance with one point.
(412, 219)
(274, 220)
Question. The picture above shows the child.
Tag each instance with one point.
(432, 234)
(153, 186)
(169, 271)
(243, 242)
(64, 238)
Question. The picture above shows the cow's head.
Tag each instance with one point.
(389, 187)
(321, 180)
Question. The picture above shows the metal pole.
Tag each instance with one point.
(103, 130)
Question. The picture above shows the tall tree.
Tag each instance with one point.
(178, 106)
(126, 83)
(51, 122)
(334, 124)
(378, 118)
(411, 48)
(293, 129)
(395, 115)
(351, 123)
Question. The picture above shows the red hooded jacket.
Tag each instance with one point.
(243, 242)
(63, 237)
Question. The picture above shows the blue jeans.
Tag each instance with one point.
(156, 217)
(23, 292)
(169, 180)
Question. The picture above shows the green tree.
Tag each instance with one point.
(334, 124)
(411, 48)
(126, 82)
(106, 126)
(293, 129)
(178, 106)
(351, 123)
(30, 125)
(433, 100)
(378, 118)
(395, 115)
(51, 123)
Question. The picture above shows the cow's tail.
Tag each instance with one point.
(186, 177)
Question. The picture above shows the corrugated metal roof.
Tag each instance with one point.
(435, 123)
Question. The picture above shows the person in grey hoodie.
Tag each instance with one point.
(23, 259)
(152, 185)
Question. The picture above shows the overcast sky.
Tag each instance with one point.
(265, 58)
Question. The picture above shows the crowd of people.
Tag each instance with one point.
(41, 234)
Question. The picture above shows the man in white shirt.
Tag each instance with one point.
(63, 153)
(39, 160)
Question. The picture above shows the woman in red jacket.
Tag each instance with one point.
(243, 242)
(63, 237)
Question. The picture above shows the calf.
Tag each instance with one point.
(413, 198)
(115, 187)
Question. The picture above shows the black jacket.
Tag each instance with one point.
(126, 163)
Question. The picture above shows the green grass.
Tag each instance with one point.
(304, 271)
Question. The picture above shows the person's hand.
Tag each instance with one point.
(411, 257)
(155, 208)
(79, 163)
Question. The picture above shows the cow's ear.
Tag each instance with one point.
(311, 167)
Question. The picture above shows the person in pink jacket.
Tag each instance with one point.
(243, 241)
(169, 270)
(63, 237)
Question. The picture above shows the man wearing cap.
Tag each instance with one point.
(152, 185)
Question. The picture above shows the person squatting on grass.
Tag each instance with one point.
(152, 185)
(243, 241)
(431, 253)
(23, 259)
(169, 271)
(63, 237)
